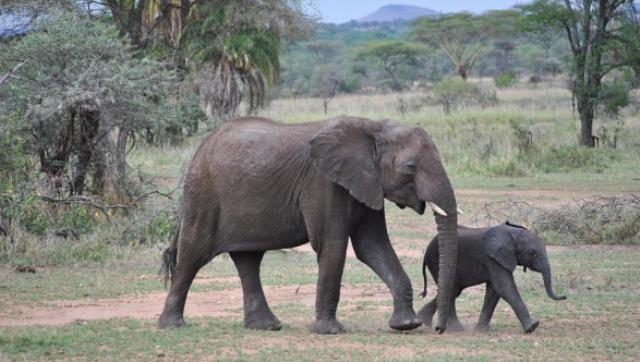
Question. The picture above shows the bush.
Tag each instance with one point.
(597, 221)
(612, 98)
(451, 92)
(506, 79)
(509, 168)
(568, 158)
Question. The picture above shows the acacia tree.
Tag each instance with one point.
(461, 35)
(595, 31)
(80, 82)
(392, 54)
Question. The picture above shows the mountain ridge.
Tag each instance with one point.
(393, 12)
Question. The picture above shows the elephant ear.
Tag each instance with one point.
(499, 246)
(345, 152)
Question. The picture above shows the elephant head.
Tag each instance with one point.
(512, 245)
(378, 160)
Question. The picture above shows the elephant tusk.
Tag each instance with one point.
(436, 208)
(460, 212)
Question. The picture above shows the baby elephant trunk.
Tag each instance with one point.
(546, 275)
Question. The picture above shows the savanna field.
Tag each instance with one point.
(97, 296)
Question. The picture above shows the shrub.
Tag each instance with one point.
(568, 158)
(506, 79)
(451, 92)
(611, 220)
(509, 167)
(612, 98)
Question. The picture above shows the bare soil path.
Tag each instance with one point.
(219, 303)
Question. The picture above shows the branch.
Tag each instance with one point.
(103, 208)
(11, 73)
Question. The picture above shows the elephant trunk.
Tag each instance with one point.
(546, 275)
(448, 250)
(435, 189)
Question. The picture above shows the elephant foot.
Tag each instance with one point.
(404, 321)
(327, 326)
(264, 323)
(170, 321)
(455, 326)
(531, 326)
(482, 328)
(426, 318)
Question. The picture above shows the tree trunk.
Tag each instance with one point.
(463, 72)
(88, 121)
(585, 110)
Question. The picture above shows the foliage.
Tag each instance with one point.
(506, 79)
(79, 83)
(613, 96)
(595, 221)
(393, 54)
(597, 45)
(236, 49)
(452, 92)
(460, 35)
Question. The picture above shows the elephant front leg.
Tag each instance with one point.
(372, 246)
(453, 323)
(331, 258)
(257, 314)
(505, 287)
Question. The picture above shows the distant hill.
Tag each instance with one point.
(397, 12)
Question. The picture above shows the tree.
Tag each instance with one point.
(595, 31)
(502, 30)
(79, 84)
(235, 47)
(543, 32)
(460, 35)
(392, 54)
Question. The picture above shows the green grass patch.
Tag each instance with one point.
(593, 323)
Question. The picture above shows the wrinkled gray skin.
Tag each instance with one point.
(256, 185)
(490, 255)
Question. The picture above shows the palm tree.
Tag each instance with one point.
(237, 54)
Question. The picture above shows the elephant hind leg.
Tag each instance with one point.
(172, 314)
(427, 312)
(195, 248)
(257, 314)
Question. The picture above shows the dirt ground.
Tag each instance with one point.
(228, 302)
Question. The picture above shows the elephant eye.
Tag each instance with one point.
(411, 167)
(532, 252)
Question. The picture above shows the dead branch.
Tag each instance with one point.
(11, 73)
(103, 208)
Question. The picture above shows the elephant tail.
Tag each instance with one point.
(424, 277)
(169, 258)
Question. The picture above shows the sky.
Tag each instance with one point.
(340, 11)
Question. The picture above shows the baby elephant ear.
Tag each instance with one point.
(499, 246)
(344, 151)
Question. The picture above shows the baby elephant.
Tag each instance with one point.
(490, 255)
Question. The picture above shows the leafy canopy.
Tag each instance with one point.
(70, 58)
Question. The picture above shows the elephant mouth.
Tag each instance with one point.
(419, 207)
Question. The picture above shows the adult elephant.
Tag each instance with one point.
(257, 185)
